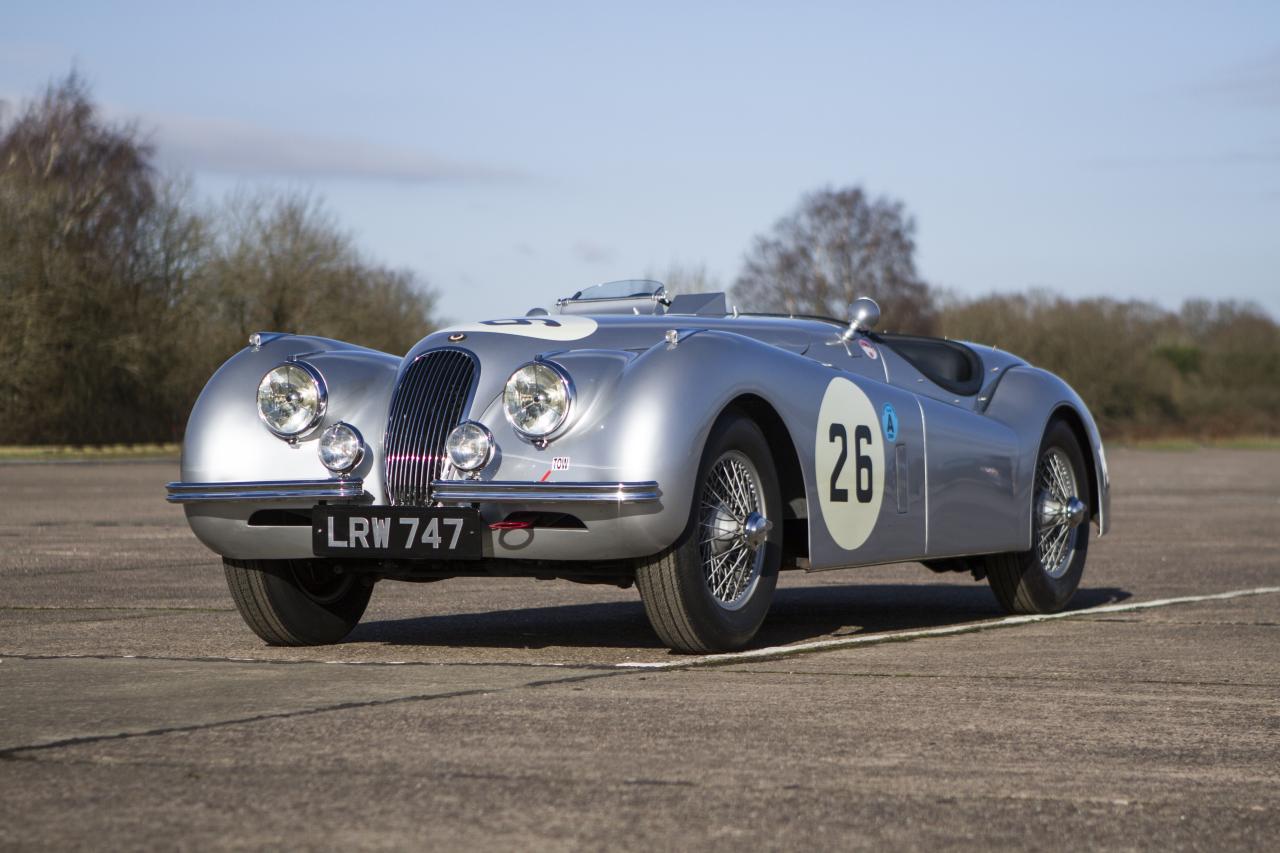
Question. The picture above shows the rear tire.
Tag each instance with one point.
(1043, 579)
(711, 591)
(296, 602)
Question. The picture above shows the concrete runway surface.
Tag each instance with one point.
(136, 710)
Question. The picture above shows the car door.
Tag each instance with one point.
(869, 465)
(970, 499)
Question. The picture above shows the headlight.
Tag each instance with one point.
(292, 399)
(537, 399)
(470, 446)
(341, 448)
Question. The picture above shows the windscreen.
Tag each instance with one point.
(630, 288)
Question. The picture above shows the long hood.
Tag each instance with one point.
(504, 344)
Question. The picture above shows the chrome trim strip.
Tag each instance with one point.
(924, 440)
(351, 488)
(518, 492)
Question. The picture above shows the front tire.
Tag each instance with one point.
(1043, 579)
(711, 591)
(296, 602)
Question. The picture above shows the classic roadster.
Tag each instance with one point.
(624, 437)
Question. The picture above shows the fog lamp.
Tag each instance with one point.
(470, 446)
(341, 448)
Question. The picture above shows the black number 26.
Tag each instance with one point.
(862, 463)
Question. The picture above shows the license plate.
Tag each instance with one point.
(387, 531)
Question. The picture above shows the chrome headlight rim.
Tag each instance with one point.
(570, 395)
(322, 400)
(490, 446)
(361, 448)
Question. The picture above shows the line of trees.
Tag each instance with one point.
(119, 295)
(1210, 370)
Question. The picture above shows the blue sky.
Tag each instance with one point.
(511, 153)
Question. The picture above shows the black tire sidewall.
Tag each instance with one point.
(311, 621)
(726, 629)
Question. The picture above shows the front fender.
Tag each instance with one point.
(646, 416)
(226, 442)
(1026, 399)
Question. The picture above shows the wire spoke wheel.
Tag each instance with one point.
(731, 562)
(711, 590)
(1043, 578)
(1056, 490)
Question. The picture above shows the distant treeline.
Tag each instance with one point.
(119, 296)
(1211, 370)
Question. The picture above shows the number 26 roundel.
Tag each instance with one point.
(849, 463)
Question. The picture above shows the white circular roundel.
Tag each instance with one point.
(849, 462)
(557, 328)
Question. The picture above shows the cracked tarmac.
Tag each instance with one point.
(137, 711)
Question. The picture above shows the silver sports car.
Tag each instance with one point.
(627, 437)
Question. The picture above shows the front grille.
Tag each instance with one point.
(427, 403)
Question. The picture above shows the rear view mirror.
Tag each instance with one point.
(864, 314)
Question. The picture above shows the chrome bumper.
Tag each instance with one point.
(350, 489)
(454, 491)
(515, 492)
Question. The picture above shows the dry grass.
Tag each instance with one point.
(1244, 442)
(87, 453)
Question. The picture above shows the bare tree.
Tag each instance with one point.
(836, 246)
(118, 298)
(685, 278)
(79, 208)
(281, 263)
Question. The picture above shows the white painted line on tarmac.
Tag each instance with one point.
(773, 652)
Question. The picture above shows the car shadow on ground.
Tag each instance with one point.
(798, 614)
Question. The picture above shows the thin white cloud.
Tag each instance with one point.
(240, 148)
(1255, 83)
(1181, 161)
(593, 253)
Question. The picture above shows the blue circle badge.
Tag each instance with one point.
(889, 420)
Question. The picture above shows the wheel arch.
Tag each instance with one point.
(795, 499)
(1028, 399)
(1068, 415)
(660, 417)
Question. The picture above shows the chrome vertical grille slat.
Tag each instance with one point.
(394, 441)
(429, 401)
(435, 416)
(401, 425)
(415, 418)
(452, 398)
(425, 404)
